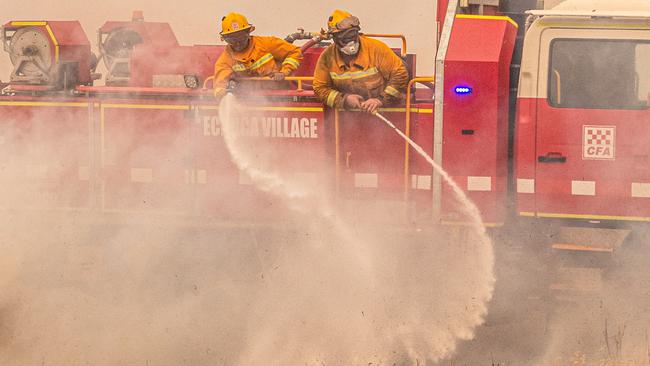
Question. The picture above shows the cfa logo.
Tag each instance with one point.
(598, 142)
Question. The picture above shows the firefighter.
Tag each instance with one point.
(357, 71)
(251, 56)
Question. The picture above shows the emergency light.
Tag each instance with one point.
(463, 90)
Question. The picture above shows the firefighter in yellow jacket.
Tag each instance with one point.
(357, 71)
(250, 56)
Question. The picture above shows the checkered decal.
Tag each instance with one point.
(598, 142)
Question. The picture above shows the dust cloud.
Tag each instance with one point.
(380, 296)
(159, 289)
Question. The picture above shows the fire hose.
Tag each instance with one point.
(399, 132)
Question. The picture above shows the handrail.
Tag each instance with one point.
(381, 35)
(205, 82)
(407, 128)
(299, 79)
(337, 150)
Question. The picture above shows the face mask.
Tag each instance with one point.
(238, 41)
(351, 48)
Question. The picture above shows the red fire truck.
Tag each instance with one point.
(150, 139)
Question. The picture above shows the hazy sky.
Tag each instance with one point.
(196, 21)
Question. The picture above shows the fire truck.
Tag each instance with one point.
(536, 114)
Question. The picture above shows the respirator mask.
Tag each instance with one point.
(348, 41)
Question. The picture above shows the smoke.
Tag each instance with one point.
(358, 294)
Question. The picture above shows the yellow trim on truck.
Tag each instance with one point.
(488, 17)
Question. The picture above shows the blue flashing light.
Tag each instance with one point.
(463, 90)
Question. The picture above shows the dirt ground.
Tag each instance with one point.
(76, 291)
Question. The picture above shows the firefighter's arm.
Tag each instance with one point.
(222, 73)
(394, 72)
(290, 55)
(323, 86)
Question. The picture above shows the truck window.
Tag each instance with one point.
(599, 74)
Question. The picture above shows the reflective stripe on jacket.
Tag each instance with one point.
(263, 57)
(375, 72)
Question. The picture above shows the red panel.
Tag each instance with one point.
(145, 148)
(368, 146)
(562, 130)
(73, 46)
(69, 33)
(45, 156)
(525, 158)
(309, 61)
(288, 142)
(475, 130)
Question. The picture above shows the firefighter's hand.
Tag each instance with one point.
(278, 76)
(219, 93)
(353, 101)
(371, 105)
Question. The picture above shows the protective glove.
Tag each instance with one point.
(278, 76)
(352, 101)
(219, 93)
(371, 105)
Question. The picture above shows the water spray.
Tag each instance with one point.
(473, 210)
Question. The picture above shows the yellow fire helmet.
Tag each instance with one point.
(341, 20)
(234, 22)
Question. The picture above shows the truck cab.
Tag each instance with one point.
(581, 145)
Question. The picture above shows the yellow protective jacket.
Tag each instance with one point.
(375, 72)
(263, 57)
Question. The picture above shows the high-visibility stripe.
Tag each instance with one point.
(354, 74)
(640, 190)
(56, 43)
(583, 188)
(525, 185)
(488, 17)
(238, 68)
(145, 106)
(365, 180)
(276, 109)
(288, 109)
(479, 184)
(592, 217)
(413, 110)
(331, 98)
(24, 24)
(266, 58)
(421, 182)
(291, 61)
(42, 104)
(392, 91)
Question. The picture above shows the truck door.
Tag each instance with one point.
(593, 125)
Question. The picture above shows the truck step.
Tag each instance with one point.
(585, 248)
(588, 239)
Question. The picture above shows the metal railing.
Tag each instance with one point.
(298, 79)
(396, 36)
(407, 128)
